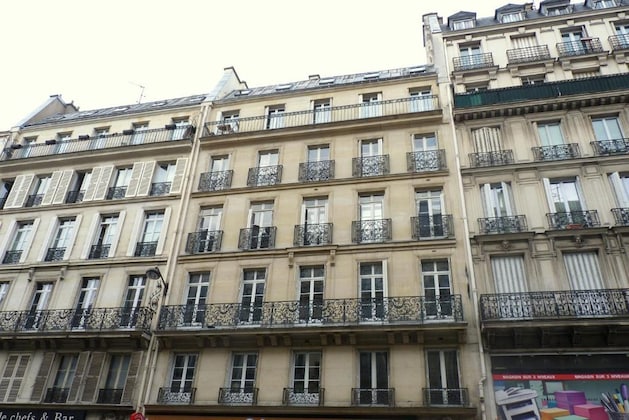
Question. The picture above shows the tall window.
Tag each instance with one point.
(584, 272)
(61, 240)
(572, 41)
(268, 172)
(39, 302)
(181, 128)
(509, 274)
(151, 230)
(371, 105)
(196, 298)
(132, 304)
(372, 291)
(252, 295)
(443, 377)
(421, 100)
(85, 302)
(119, 189)
(20, 242)
(229, 122)
(497, 201)
(430, 214)
(564, 195)
(372, 226)
(306, 372)
(116, 379)
(275, 117)
(12, 376)
(550, 133)
(162, 178)
(373, 378)
(243, 372)
(4, 290)
(620, 184)
(319, 153)
(63, 379)
(208, 229)
(315, 230)
(139, 132)
(470, 56)
(81, 183)
(607, 128)
(182, 377)
(107, 231)
(260, 224)
(311, 293)
(322, 110)
(486, 139)
(437, 289)
(41, 185)
(5, 189)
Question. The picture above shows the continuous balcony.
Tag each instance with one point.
(373, 397)
(238, 396)
(145, 249)
(582, 47)
(371, 231)
(370, 166)
(55, 254)
(495, 158)
(86, 143)
(619, 42)
(257, 237)
(204, 241)
(75, 196)
(303, 397)
(160, 188)
(306, 118)
(215, 181)
(313, 234)
(316, 171)
(473, 62)
(581, 219)
(621, 216)
(502, 224)
(556, 152)
(176, 396)
(427, 161)
(610, 147)
(438, 226)
(109, 395)
(264, 176)
(446, 396)
(528, 54)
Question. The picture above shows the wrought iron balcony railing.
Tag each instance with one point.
(86, 143)
(430, 160)
(581, 47)
(370, 166)
(176, 396)
(573, 219)
(553, 305)
(204, 241)
(497, 158)
(116, 193)
(610, 147)
(619, 42)
(12, 257)
(56, 395)
(328, 312)
(437, 226)
(238, 396)
(503, 224)
(34, 200)
(264, 175)
(528, 54)
(556, 152)
(76, 320)
(257, 237)
(160, 188)
(336, 114)
(446, 396)
(316, 171)
(215, 181)
(304, 397)
(109, 396)
(99, 251)
(145, 249)
(471, 62)
(373, 396)
(313, 234)
(621, 216)
(369, 231)
(75, 196)
(55, 254)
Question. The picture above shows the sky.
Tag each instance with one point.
(98, 54)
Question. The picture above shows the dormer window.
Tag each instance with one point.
(563, 9)
(462, 24)
(604, 4)
(512, 17)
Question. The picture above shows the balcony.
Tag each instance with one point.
(556, 152)
(109, 396)
(486, 159)
(303, 397)
(621, 216)
(423, 104)
(56, 395)
(582, 47)
(55, 254)
(215, 181)
(503, 224)
(160, 188)
(428, 161)
(581, 219)
(99, 251)
(446, 396)
(145, 249)
(12, 257)
(373, 397)
(75, 196)
(473, 62)
(438, 226)
(257, 237)
(316, 171)
(264, 176)
(313, 234)
(204, 241)
(528, 54)
(610, 147)
(329, 312)
(34, 200)
(86, 143)
(238, 396)
(371, 231)
(370, 166)
(178, 396)
(116, 193)
(619, 42)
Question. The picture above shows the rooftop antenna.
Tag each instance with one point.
(141, 91)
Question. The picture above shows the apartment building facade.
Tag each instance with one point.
(539, 98)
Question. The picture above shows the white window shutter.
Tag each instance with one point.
(135, 233)
(549, 197)
(7, 237)
(47, 239)
(116, 238)
(162, 234)
(19, 192)
(622, 196)
(62, 188)
(147, 178)
(487, 202)
(27, 245)
(134, 181)
(506, 188)
(180, 172)
(77, 225)
(52, 188)
(91, 233)
(91, 188)
(103, 182)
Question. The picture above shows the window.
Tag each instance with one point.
(509, 277)
(372, 225)
(371, 105)
(443, 378)
(106, 234)
(553, 145)
(219, 163)
(80, 184)
(62, 240)
(318, 167)
(621, 28)
(41, 185)
(311, 293)
(229, 122)
(512, 17)
(550, 133)
(470, 56)
(535, 79)
(437, 289)
(100, 137)
(20, 243)
(39, 303)
(319, 153)
(252, 294)
(181, 379)
(85, 302)
(322, 109)
(12, 376)
(315, 230)
(372, 291)
(425, 155)
(5, 190)
(604, 4)
(151, 230)
(63, 379)
(63, 142)
(119, 189)
(219, 177)
(275, 117)
(115, 380)
(139, 132)
(242, 378)
(620, 184)
(306, 378)
(572, 43)
(196, 299)
(497, 201)
(208, 237)
(132, 304)
(421, 100)
(431, 222)
(609, 136)
(372, 162)
(4, 290)
(486, 139)
(373, 379)
(260, 226)
(463, 24)
(28, 144)
(584, 273)
(163, 178)
(268, 169)
(566, 204)
(181, 128)
(558, 10)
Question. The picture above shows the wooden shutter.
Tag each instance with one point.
(134, 181)
(134, 368)
(7, 376)
(22, 364)
(103, 182)
(62, 188)
(147, 178)
(42, 377)
(92, 377)
(52, 188)
(81, 365)
(91, 188)
(19, 192)
(180, 172)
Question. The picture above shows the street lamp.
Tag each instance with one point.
(154, 274)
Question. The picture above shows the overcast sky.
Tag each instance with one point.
(97, 53)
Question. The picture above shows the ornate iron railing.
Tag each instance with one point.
(528, 54)
(619, 42)
(12, 257)
(34, 200)
(109, 396)
(437, 226)
(370, 166)
(621, 216)
(204, 241)
(99, 251)
(556, 152)
(264, 175)
(56, 395)
(552, 305)
(446, 396)
(160, 188)
(581, 47)
(257, 237)
(145, 249)
(316, 171)
(610, 147)
(471, 62)
(75, 196)
(336, 114)
(215, 181)
(55, 254)
(86, 143)
(329, 312)
(573, 219)
(116, 193)
(238, 396)
(503, 224)
(313, 234)
(496, 158)
(366, 231)
(373, 396)
(307, 397)
(178, 396)
(430, 160)
(98, 319)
